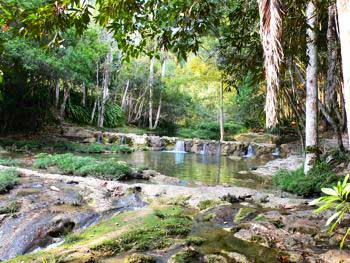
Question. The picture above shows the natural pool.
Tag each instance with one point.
(208, 169)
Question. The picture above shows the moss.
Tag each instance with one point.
(185, 256)
(203, 205)
(139, 258)
(243, 213)
(10, 208)
(260, 217)
(110, 169)
(194, 241)
(154, 233)
(8, 179)
(209, 217)
(179, 201)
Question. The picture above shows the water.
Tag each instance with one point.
(208, 169)
(250, 151)
(179, 147)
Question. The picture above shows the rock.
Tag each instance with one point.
(140, 258)
(214, 259)
(54, 188)
(235, 158)
(336, 256)
(256, 137)
(291, 163)
(243, 214)
(236, 257)
(187, 255)
(221, 214)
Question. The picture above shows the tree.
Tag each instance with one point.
(271, 32)
(311, 127)
(343, 8)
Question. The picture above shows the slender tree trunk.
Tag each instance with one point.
(151, 84)
(332, 58)
(57, 92)
(65, 99)
(93, 111)
(311, 136)
(125, 94)
(105, 90)
(343, 7)
(83, 101)
(222, 121)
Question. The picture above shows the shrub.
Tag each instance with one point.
(336, 199)
(98, 148)
(308, 185)
(8, 179)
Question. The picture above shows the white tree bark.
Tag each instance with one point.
(125, 94)
(311, 134)
(105, 85)
(151, 84)
(343, 8)
(57, 92)
(222, 121)
(83, 100)
(65, 99)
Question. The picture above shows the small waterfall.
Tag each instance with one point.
(122, 140)
(250, 151)
(276, 152)
(99, 138)
(204, 150)
(179, 147)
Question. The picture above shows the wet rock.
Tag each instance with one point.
(236, 257)
(187, 255)
(222, 214)
(244, 214)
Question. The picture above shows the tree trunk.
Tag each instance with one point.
(65, 99)
(343, 7)
(222, 123)
(332, 59)
(57, 92)
(158, 112)
(151, 84)
(93, 111)
(105, 84)
(125, 94)
(83, 101)
(270, 12)
(311, 134)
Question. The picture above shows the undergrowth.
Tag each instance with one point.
(322, 175)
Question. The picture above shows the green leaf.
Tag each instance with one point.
(329, 191)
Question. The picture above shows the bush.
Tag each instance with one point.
(9, 162)
(85, 166)
(97, 148)
(306, 185)
(8, 179)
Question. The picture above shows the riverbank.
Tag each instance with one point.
(284, 228)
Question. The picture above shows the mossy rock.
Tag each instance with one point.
(243, 213)
(187, 255)
(140, 258)
(214, 259)
(195, 241)
(205, 204)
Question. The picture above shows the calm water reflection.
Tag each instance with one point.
(208, 169)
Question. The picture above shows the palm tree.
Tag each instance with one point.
(271, 32)
(343, 8)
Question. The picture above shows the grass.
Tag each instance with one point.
(68, 163)
(9, 162)
(8, 179)
(10, 208)
(21, 145)
(205, 204)
(157, 231)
